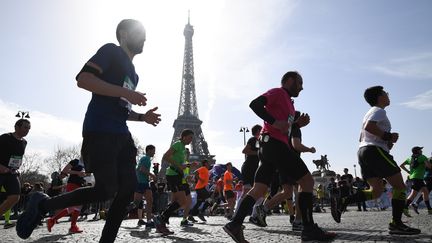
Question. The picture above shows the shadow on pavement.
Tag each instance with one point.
(194, 230)
(51, 238)
(381, 238)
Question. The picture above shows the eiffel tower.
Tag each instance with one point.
(187, 117)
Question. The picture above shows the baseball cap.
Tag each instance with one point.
(416, 149)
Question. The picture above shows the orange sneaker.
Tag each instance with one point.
(74, 229)
(50, 224)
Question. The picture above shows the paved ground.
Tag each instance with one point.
(356, 226)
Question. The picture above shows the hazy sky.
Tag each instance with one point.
(241, 49)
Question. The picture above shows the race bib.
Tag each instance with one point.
(128, 84)
(290, 121)
(15, 162)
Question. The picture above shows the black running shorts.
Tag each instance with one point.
(417, 184)
(376, 163)
(277, 156)
(174, 183)
(248, 170)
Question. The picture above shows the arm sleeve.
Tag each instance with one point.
(104, 56)
(258, 106)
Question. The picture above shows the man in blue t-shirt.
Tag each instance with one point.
(107, 149)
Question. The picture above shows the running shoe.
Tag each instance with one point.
(256, 222)
(201, 217)
(402, 229)
(429, 211)
(32, 215)
(406, 212)
(185, 223)
(415, 208)
(74, 229)
(50, 224)
(261, 215)
(8, 225)
(161, 226)
(297, 226)
(315, 233)
(236, 232)
(192, 219)
(141, 222)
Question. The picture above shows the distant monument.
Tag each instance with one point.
(322, 175)
(188, 110)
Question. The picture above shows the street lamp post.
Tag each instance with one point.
(244, 130)
(23, 114)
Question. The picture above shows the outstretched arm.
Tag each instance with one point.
(299, 147)
(88, 79)
(149, 117)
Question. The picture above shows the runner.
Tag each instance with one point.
(217, 195)
(418, 164)
(376, 140)
(176, 157)
(75, 170)
(108, 149)
(276, 108)
(185, 184)
(143, 188)
(250, 165)
(11, 156)
(202, 177)
(229, 194)
(428, 182)
(295, 142)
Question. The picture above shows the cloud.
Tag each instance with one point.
(421, 101)
(415, 66)
(47, 131)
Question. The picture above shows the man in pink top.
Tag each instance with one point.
(276, 108)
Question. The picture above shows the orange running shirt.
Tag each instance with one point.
(203, 175)
(228, 177)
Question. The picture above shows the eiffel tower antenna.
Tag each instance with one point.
(188, 17)
(187, 117)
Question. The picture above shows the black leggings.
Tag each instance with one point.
(111, 159)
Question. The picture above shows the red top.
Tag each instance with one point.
(280, 106)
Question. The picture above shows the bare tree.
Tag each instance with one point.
(30, 169)
(33, 177)
(31, 162)
(62, 156)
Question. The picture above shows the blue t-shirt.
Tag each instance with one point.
(105, 113)
(146, 163)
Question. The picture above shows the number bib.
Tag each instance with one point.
(15, 162)
(128, 84)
